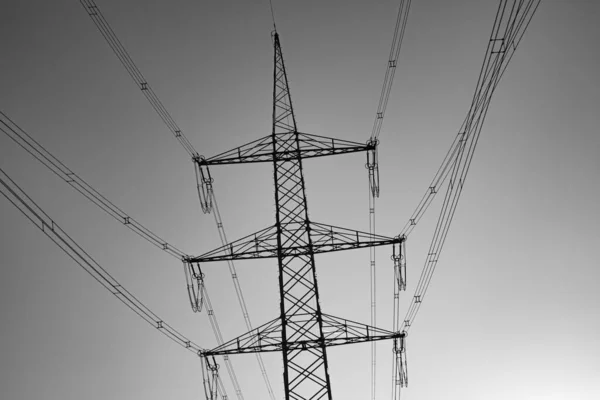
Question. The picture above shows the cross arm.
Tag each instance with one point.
(261, 150)
(336, 331)
(325, 238)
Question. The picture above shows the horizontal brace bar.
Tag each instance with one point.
(302, 344)
(295, 251)
(284, 155)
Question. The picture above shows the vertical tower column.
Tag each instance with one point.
(305, 371)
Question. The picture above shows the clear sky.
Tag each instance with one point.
(512, 311)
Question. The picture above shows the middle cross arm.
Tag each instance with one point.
(325, 238)
(336, 331)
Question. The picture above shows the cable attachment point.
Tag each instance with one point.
(373, 166)
(401, 366)
(204, 183)
(210, 376)
(399, 258)
(195, 284)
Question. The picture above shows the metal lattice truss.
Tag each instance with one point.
(325, 238)
(308, 146)
(305, 371)
(301, 332)
(336, 332)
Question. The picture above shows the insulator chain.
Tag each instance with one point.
(204, 183)
(195, 284)
(401, 366)
(210, 377)
(373, 166)
(399, 258)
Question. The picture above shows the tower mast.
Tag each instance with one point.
(302, 332)
(305, 373)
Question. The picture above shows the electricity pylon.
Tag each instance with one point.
(302, 332)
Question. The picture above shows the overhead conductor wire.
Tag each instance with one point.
(50, 228)
(509, 27)
(37, 151)
(119, 50)
(390, 71)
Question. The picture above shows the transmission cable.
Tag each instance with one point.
(239, 292)
(373, 290)
(115, 44)
(50, 228)
(509, 27)
(35, 149)
(119, 50)
(451, 155)
(505, 37)
(390, 70)
(372, 166)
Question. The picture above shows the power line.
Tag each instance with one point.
(119, 50)
(373, 291)
(390, 69)
(35, 149)
(446, 166)
(373, 167)
(50, 228)
(240, 293)
(506, 35)
(509, 27)
(117, 47)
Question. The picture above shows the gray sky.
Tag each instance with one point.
(512, 311)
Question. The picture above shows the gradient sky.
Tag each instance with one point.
(512, 311)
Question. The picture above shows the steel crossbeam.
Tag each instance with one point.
(325, 238)
(310, 146)
(336, 332)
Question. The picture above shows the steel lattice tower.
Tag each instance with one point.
(302, 332)
(301, 317)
